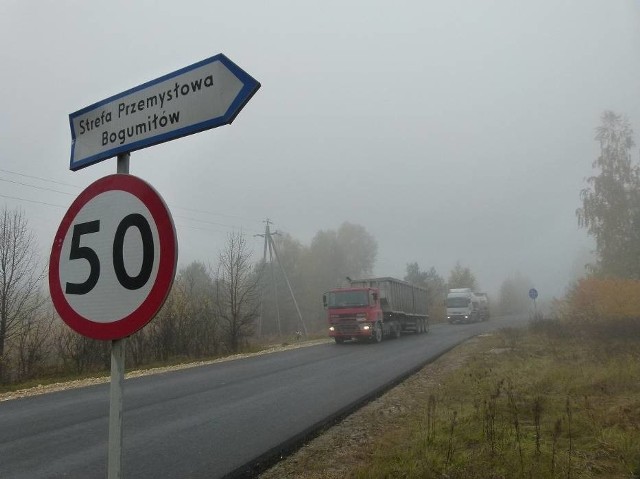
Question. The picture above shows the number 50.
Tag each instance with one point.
(84, 252)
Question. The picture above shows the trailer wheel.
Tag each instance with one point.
(377, 333)
(397, 331)
(426, 326)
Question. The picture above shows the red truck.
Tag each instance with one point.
(374, 308)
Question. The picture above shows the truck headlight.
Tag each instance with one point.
(331, 328)
(366, 327)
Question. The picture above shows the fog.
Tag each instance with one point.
(452, 131)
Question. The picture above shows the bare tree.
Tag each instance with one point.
(33, 343)
(20, 276)
(237, 298)
(78, 353)
(203, 327)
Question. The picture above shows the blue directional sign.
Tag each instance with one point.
(533, 293)
(199, 97)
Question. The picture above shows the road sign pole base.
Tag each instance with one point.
(115, 408)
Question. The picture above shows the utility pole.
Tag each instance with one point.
(270, 246)
(267, 247)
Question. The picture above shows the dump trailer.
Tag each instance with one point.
(374, 308)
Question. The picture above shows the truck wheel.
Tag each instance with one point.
(339, 340)
(377, 333)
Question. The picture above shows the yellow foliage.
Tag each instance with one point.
(605, 299)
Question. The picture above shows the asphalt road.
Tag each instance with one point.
(220, 420)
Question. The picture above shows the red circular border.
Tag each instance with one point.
(166, 270)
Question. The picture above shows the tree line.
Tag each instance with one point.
(210, 311)
(216, 310)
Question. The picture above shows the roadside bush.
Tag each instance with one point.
(594, 299)
(598, 308)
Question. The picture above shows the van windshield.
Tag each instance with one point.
(347, 299)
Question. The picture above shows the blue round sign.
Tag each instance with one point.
(533, 293)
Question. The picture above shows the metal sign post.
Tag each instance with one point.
(533, 294)
(118, 349)
(115, 408)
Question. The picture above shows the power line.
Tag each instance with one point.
(32, 201)
(38, 178)
(78, 187)
(36, 187)
(216, 214)
(233, 227)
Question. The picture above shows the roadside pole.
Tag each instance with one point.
(117, 380)
(533, 294)
(115, 408)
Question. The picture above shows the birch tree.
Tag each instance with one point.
(610, 209)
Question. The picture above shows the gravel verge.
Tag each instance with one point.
(49, 388)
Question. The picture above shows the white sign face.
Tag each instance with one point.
(113, 258)
(108, 300)
(199, 97)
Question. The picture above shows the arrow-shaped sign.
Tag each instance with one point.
(199, 97)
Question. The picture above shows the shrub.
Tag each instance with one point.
(595, 299)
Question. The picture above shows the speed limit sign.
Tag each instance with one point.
(113, 258)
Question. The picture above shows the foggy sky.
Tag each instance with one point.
(452, 131)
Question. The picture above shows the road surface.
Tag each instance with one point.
(220, 420)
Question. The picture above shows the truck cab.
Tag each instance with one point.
(354, 313)
(462, 306)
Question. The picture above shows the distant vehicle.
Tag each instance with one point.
(465, 306)
(485, 314)
(374, 308)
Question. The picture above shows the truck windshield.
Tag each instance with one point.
(347, 299)
(459, 302)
